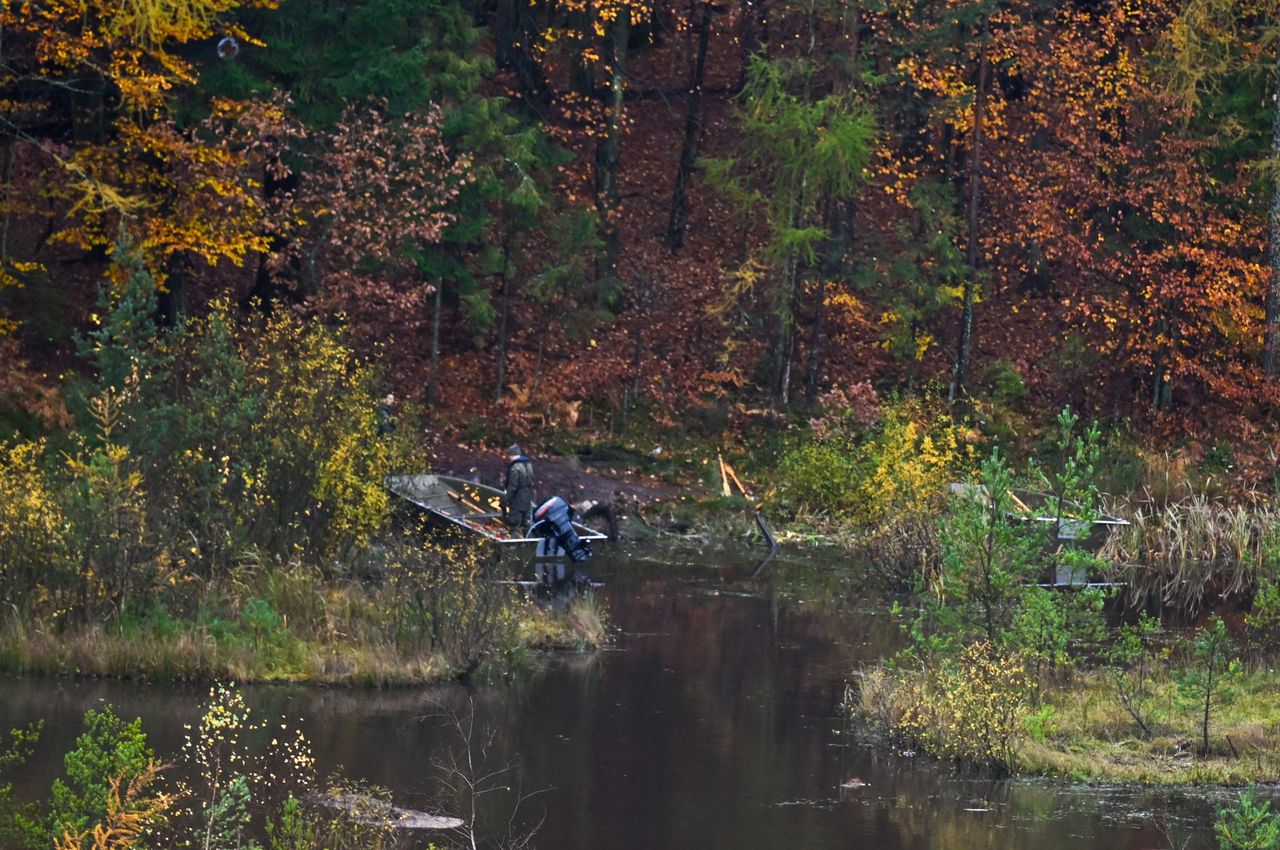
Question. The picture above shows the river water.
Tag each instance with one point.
(712, 722)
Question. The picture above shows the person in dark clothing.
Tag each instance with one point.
(517, 496)
(387, 415)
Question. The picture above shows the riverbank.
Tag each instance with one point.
(1082, 728)
(1087, 735)
(199, 652)
(293, 625)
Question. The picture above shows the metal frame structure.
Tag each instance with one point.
(467, 504)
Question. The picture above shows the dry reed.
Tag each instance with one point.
(1185, 550)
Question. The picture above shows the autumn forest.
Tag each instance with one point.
(552, 210)
(976, 301)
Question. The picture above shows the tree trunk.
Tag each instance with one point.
(8, 203)
(971, 282)
(814, 369)
(784, 343)
(1273, 250)
(265, 289)
(839, 223)
(433, 370)
(606, 162)
(514, 33)
(692, 132)
(171, 302)
(504, 311)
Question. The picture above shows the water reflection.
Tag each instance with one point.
(712, 723)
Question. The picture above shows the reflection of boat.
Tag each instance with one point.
(467, 504)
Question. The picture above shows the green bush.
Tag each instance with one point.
(897, 469)
(110, 749)
(261, 620)
(1262, 622)
(150, 619)
(818, 478)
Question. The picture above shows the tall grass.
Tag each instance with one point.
(1198, 546)
(292, 623)
(1086, 734)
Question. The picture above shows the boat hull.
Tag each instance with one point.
(468, 505)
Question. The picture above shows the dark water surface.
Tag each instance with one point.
(712, 723)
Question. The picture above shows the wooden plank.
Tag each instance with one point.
(741, 489)
(465, 502)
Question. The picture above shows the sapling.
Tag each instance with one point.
(988, 559)
(1129, 667)
(1209, 682)
(1072, 486)
(1251, 825)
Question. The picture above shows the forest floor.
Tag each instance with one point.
(571, 477)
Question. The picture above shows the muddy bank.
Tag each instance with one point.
(567, 477)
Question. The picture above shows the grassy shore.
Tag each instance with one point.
(346, 639)
(1082, 732)
(1091, 737)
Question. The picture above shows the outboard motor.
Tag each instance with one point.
(553, 520)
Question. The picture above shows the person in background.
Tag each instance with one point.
(387, 414)
(517, 496)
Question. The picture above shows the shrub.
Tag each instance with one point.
(110, 750)
(33, 527)
(275, 440)
(896, 470)
(1262, 622)
(971, 711)
(107, 505)
(1048, 624)
(911, 464)
(1250, 825)
(818, 477)
(445, 600)
(1129, 662)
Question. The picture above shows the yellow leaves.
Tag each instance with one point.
(970, 712)
(741, 283)
(31, 519)
(154, 22)
(97, 197)
(912, 466)
(191, 196)
(131, 810)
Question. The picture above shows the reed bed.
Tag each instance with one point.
(1180, 552)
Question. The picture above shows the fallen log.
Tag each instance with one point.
(371, 811)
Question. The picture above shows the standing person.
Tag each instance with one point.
(387, 415)
(517, 496)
